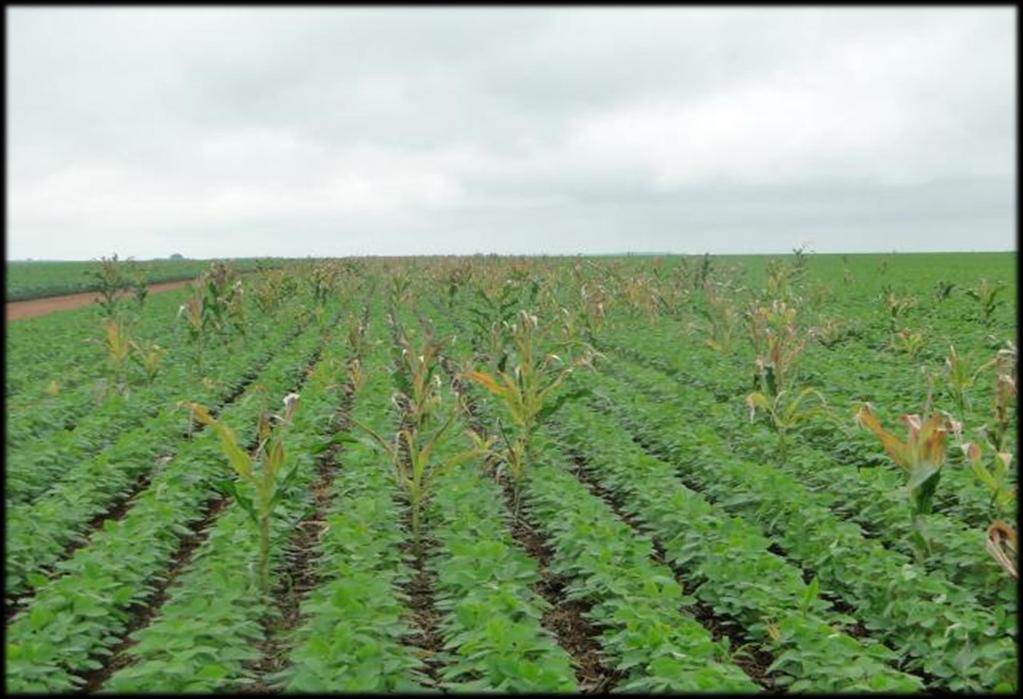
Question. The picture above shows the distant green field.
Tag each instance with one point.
(32, 280)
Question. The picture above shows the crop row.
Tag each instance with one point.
(734, 571)
(482, 581)
(36, 463)
(41, 530)
(960, 495)
(491, 617)
(351, 639)
(635, 600)
(83, 613)
(52, 347)
(937, 627)
(645, 639)
(205, 637)
(867, 497)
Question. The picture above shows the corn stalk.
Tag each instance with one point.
(986, 295)
(776, 343)
(920, 457)
(786, 415)
(524, 393)
(148, 357)
(415, 468)
(960, 379)
(266, 482)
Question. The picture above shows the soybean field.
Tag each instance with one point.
(519, 474)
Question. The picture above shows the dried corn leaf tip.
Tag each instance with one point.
(290, 403)
(1001, 544)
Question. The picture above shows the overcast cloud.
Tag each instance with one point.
(330, 132)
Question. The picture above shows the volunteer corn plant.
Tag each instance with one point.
(986, 295)
(830, 332)
(722, 318)
(883, 265)
(782, 279)
(138, 283)
(400, 289)
(322, 281)
(908, 342)
(525, 394)
(493, 314)
(268, 291)
(788, 411)
(960, 379)
(416, 377)
(195, 322)
(943, 290)
(777, 341)
(109, 280)
(416, 469)
(594, 299)
(261, 471)
(895, 307)
(992, 470)
(118, 346)
(236, 309)
(456, 279)
(148, 357)
(222, 308)
(997, 432)
(920, 457)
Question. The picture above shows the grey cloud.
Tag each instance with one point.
(344, 131)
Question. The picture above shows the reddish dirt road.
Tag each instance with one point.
(17, 310)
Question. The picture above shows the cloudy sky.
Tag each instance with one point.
(329, 132)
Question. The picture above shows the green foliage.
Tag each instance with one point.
(986, 294)
(264, 472)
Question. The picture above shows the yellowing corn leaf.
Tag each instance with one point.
(932, 440)
(240, 460)
(757, 400)
(198, 411)
(486, 380)
(1001, 544)
(896, 449)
